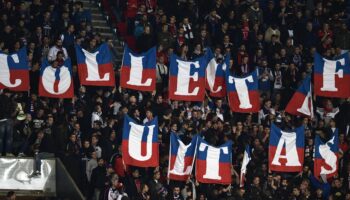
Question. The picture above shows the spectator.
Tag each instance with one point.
(52, 55)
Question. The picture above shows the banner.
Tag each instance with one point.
(326, 156)
(332, 77)
(213, 164)
(14, 73)
(181, 158)
(140, 143)
(243, 94)
(286, 149)
(246, 158)
(95, 68)
(138, 71)
(56, 82)
(215, 75)
(301, 102)
(187, 79)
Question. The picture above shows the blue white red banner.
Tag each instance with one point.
(215, 75)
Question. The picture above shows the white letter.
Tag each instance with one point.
(242, 90)
(289, 139)
(136, 69)
(92, 67)
(329, 157)
(183, 78)
(5, 71)
(179, 166)
(135, 140)
(211, 71)
(212, 161)
(329, 72)
(48, 79)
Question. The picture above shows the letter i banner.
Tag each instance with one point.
(326, 156)
(332, 77)
(95, 68)
(14, 73)
(243, 94)
(140, 143)
(181, 158)
(138, 71)
(213, 164)
(57, 81)
(187, 79)
(286, 149)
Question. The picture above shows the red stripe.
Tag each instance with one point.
(192, 85)
(23, 75)
(224, 172)
(103, 69)
(43, 93)
(234, 103)
(146, 74)
(152, 162)
(282, 167)
(343, 85)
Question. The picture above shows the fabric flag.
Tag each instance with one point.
(181, 158)
(243, 94)
(140, 143)
(332, 77)
(286, 149)
(246, 158)
(95, 68)
(326, 156)
(56, 82)
(14, 72)
(215, 75)
(213, 164)
(187, 79)
(301, 102)
(138, 71)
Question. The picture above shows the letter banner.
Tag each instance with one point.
(286, 149)
(326, 156)
(14, 73)
(181, 158)
(213, 164)
(140, 143)
(246, 158)
(187, 79)
(56, 82)
(332, 77)
(95, 68)
(215, 75)
(243, 94)
(301, 102)
(138, 71)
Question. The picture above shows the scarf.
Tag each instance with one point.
(188, 31)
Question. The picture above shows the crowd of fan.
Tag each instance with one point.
(278, 38)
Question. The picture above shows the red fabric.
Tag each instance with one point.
(119, 167)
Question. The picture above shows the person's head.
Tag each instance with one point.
(70, 28)
(176, 190)
(256, 181)
(60, 56)
(86, 144)
(59, 42)
(11, 195)
(165, 28)
(296, 192)
(94, 140)
(73, 137)
(147, 30)
(149, 113)
(135, 173)
(156, 175)
(101, 162)
(144, 188)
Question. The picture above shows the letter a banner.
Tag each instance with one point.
(14, 73)
(326, 156)
(95, 68)
(181, 158)
(213, 164)
(138, 71)
(140, 143)
(286, 149)
(332, 77)
(187, 79)
(243, 94)
(56, 82)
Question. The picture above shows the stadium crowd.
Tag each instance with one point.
(277, 37)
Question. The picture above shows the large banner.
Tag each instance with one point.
(215, 75)
(95, 68)
(14, 73)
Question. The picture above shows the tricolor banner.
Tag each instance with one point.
(332, 77)
(14, 73)
(138, 71)
(243, 94)
(95, 68)
(213, 164)
(326, 156)
(181, 158)
(286, 149)
(56, 82)
(215, 75)
(140, 143)
(301, 102)
(246, 158)
(187, 79)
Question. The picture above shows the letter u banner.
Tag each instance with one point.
(213, 164)
(140, 143)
